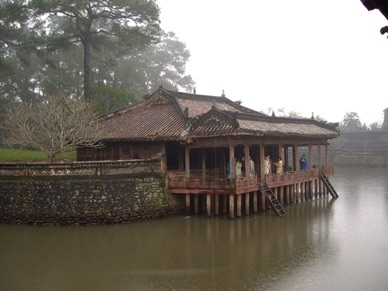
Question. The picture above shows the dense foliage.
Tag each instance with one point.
(79, 46)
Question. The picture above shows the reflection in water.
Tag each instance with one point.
(321, 244)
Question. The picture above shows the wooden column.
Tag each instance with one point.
(296, 158)
(187, 160)
(281, 152)
(246, 157)
(247, 203)
(232, 162)
(255, 201)
(262, 201)
(311, 159)
(181, 160)
(288, 189)
(231, 205)
(281, 194)
(208, 205)
(239, 205)
(326, 154)
(319, 156)
(203, 163)
(216, 205)
(187, 204)
(262, 170)
(224, 204)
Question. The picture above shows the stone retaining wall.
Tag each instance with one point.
(85, 200)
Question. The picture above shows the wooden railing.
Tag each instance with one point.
(178, 181)
(297, 176)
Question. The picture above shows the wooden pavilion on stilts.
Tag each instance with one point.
(201, 138)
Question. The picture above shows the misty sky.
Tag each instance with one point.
(326, 57)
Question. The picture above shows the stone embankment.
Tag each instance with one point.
(85, 200)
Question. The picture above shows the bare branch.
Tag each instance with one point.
(59, 124)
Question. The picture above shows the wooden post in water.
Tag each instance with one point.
(262, 200)
(216, 205)
(239, 205)
(209, 204)
(231, 205)
(196, 204)
(187, 204)
(247, 203)
(255, 201)
(281, 194)
(224, 204)
(302, 191)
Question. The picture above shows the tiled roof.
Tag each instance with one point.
(289, 128)
(200, 104)
(160, 121)
(166, 115)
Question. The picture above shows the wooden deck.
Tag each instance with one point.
(179, 184)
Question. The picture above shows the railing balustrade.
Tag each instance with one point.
(176, 180)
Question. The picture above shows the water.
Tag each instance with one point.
(321, 244)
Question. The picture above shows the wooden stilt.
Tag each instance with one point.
(262, 200)
(288, 188)
(281, 195)
(311, 186)
(224, 204)
(216, 205)
(187, 204)
(231, 206)
(239, 205)
(208, 205)
(196, 204)
(247, 203)
(255, 201)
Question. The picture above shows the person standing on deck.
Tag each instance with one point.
(251, 167)
(238, 168)
(279, 167)
(267, 166)
(304, 163)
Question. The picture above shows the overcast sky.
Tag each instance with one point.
(326, 57)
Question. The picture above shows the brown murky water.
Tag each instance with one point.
(321, 244)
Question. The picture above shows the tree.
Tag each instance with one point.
(12, 20)
(161, 63)
(351, 122)
(384, 126)
(107, 98)
(59, 124)
(375, 126)
(164, 64)
(119, 25)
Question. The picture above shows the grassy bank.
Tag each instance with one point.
(14, 155)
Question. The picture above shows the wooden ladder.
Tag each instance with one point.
(328, 185)
(272, 200)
